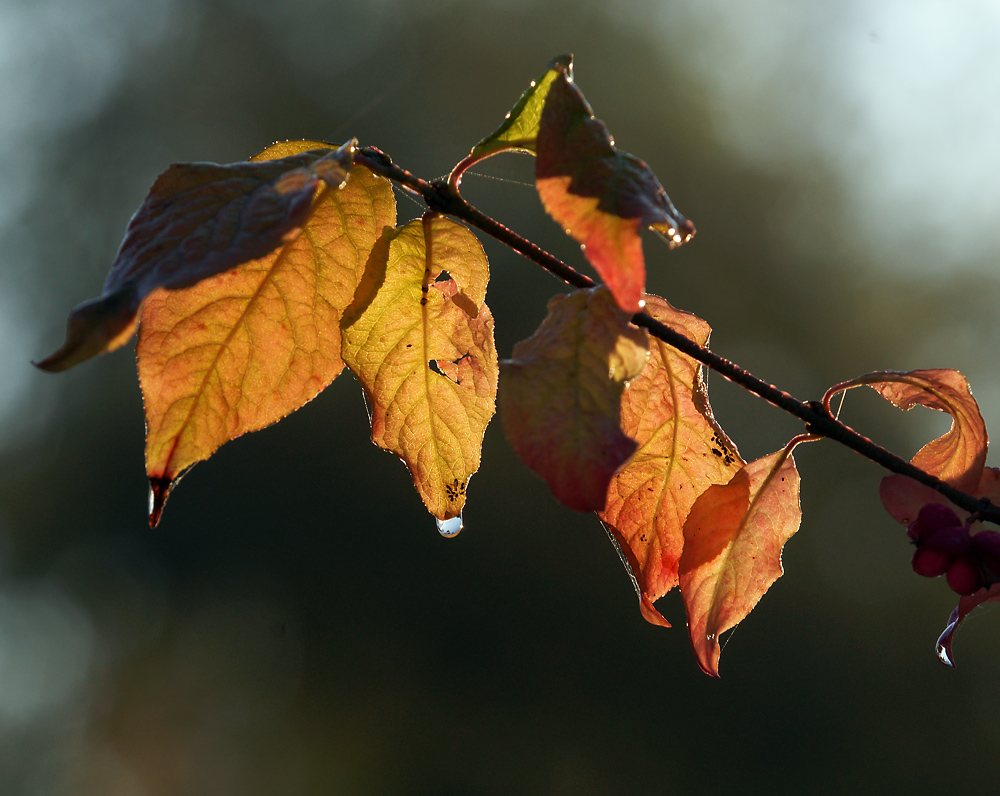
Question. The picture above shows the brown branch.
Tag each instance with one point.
(443, 197)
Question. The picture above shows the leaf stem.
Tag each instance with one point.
(442, 196)
(455, 178)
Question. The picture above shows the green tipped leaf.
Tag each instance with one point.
(520, 127)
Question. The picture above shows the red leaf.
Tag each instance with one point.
(682, 451)
(733, 539)
(561, 391)
(600, 195)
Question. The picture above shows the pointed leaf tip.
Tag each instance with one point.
(199, 220)
(600, 195)
(159, 491)
(966, 605)
(98, 325)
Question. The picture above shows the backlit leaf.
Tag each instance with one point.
(957, 457)
(198, 220)
(733, 539)
(241, 349)
(520, 127)
(601, 196)
(423, 350)
(561, 394)
(682, 451)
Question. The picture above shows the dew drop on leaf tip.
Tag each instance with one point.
(449, 528)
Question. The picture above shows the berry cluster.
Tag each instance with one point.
(945, 547)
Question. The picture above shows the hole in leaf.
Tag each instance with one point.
(434, 366)
(443, 277)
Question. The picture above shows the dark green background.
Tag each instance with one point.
(296, 625)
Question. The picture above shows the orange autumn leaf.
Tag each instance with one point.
(733, 539)
(600, 195)
(242, 349)
(198, 220)
(958, 456)
(420, 342)
(561, 395)
(682, 451)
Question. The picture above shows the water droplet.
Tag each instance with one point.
(449, 528)
(159, 489)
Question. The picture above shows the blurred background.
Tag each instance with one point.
(296, 625)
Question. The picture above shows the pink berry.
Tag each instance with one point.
(986, 547)
(987, 541)
(932, 518)
(954, 540)
(931, 563)
(963, 575)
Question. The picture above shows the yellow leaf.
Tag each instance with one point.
(519, 128)
(423, 350)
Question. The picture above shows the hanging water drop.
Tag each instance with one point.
(159, 489)
(449, 528)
